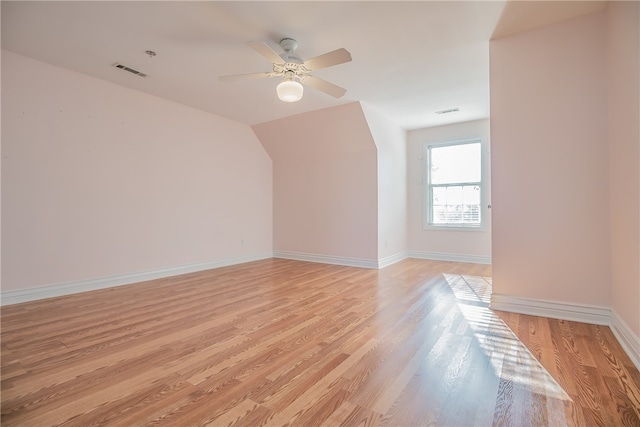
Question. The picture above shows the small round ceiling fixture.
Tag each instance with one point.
(289, 90)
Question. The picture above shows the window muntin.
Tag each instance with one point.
(454, 184)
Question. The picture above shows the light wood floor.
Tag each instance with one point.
(279, 342)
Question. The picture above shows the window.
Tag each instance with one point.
(453, 194)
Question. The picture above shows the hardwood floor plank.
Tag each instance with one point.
(616, 367)
(235, 414)
(281, 342)
(627, 411)
(141, 404)
(381, 389)
(296, 383)
(362, 417)
(340, 415)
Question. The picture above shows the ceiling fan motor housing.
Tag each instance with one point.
(289, 46)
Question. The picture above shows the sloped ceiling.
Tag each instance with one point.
(519, 16)
(410, 59)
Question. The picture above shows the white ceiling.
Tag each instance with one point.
(410, 59)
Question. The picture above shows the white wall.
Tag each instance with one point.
(550, 180)
(99, 180)
(623, 51)
(325, 186)
(391, 144)
(467, 245)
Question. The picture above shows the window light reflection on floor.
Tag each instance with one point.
(509, 357)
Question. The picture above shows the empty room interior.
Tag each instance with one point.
(320, 213)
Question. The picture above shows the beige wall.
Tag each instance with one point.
(391, 144)
(100, 180)
(325, 184)
(550, 180)
(464, 245)
(623, 47)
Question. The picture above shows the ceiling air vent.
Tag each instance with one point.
(129, 69)
(450, 110)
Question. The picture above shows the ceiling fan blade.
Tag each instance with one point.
(237, 77)
(323, 86)
(265, 50)
(338, 56)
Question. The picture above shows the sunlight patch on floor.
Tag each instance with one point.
(509, 356)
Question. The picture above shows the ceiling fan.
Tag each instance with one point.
(294, 70)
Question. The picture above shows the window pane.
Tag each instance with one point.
(454, 214)
(440, 195)
(454, 195)
(471, 195)
(455, 204)
(472, 214)
(439, 214)
(455, 164)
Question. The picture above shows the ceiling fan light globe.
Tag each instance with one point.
(289, 91)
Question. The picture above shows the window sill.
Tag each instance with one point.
(454, 228)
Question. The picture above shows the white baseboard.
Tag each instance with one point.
(392, 259)
(349, 262)
(442, 256)
(627, 339)
(383, 262)
(326, 259)
(32, 294)
(553, 309)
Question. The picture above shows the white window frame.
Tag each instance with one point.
(428, 188)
